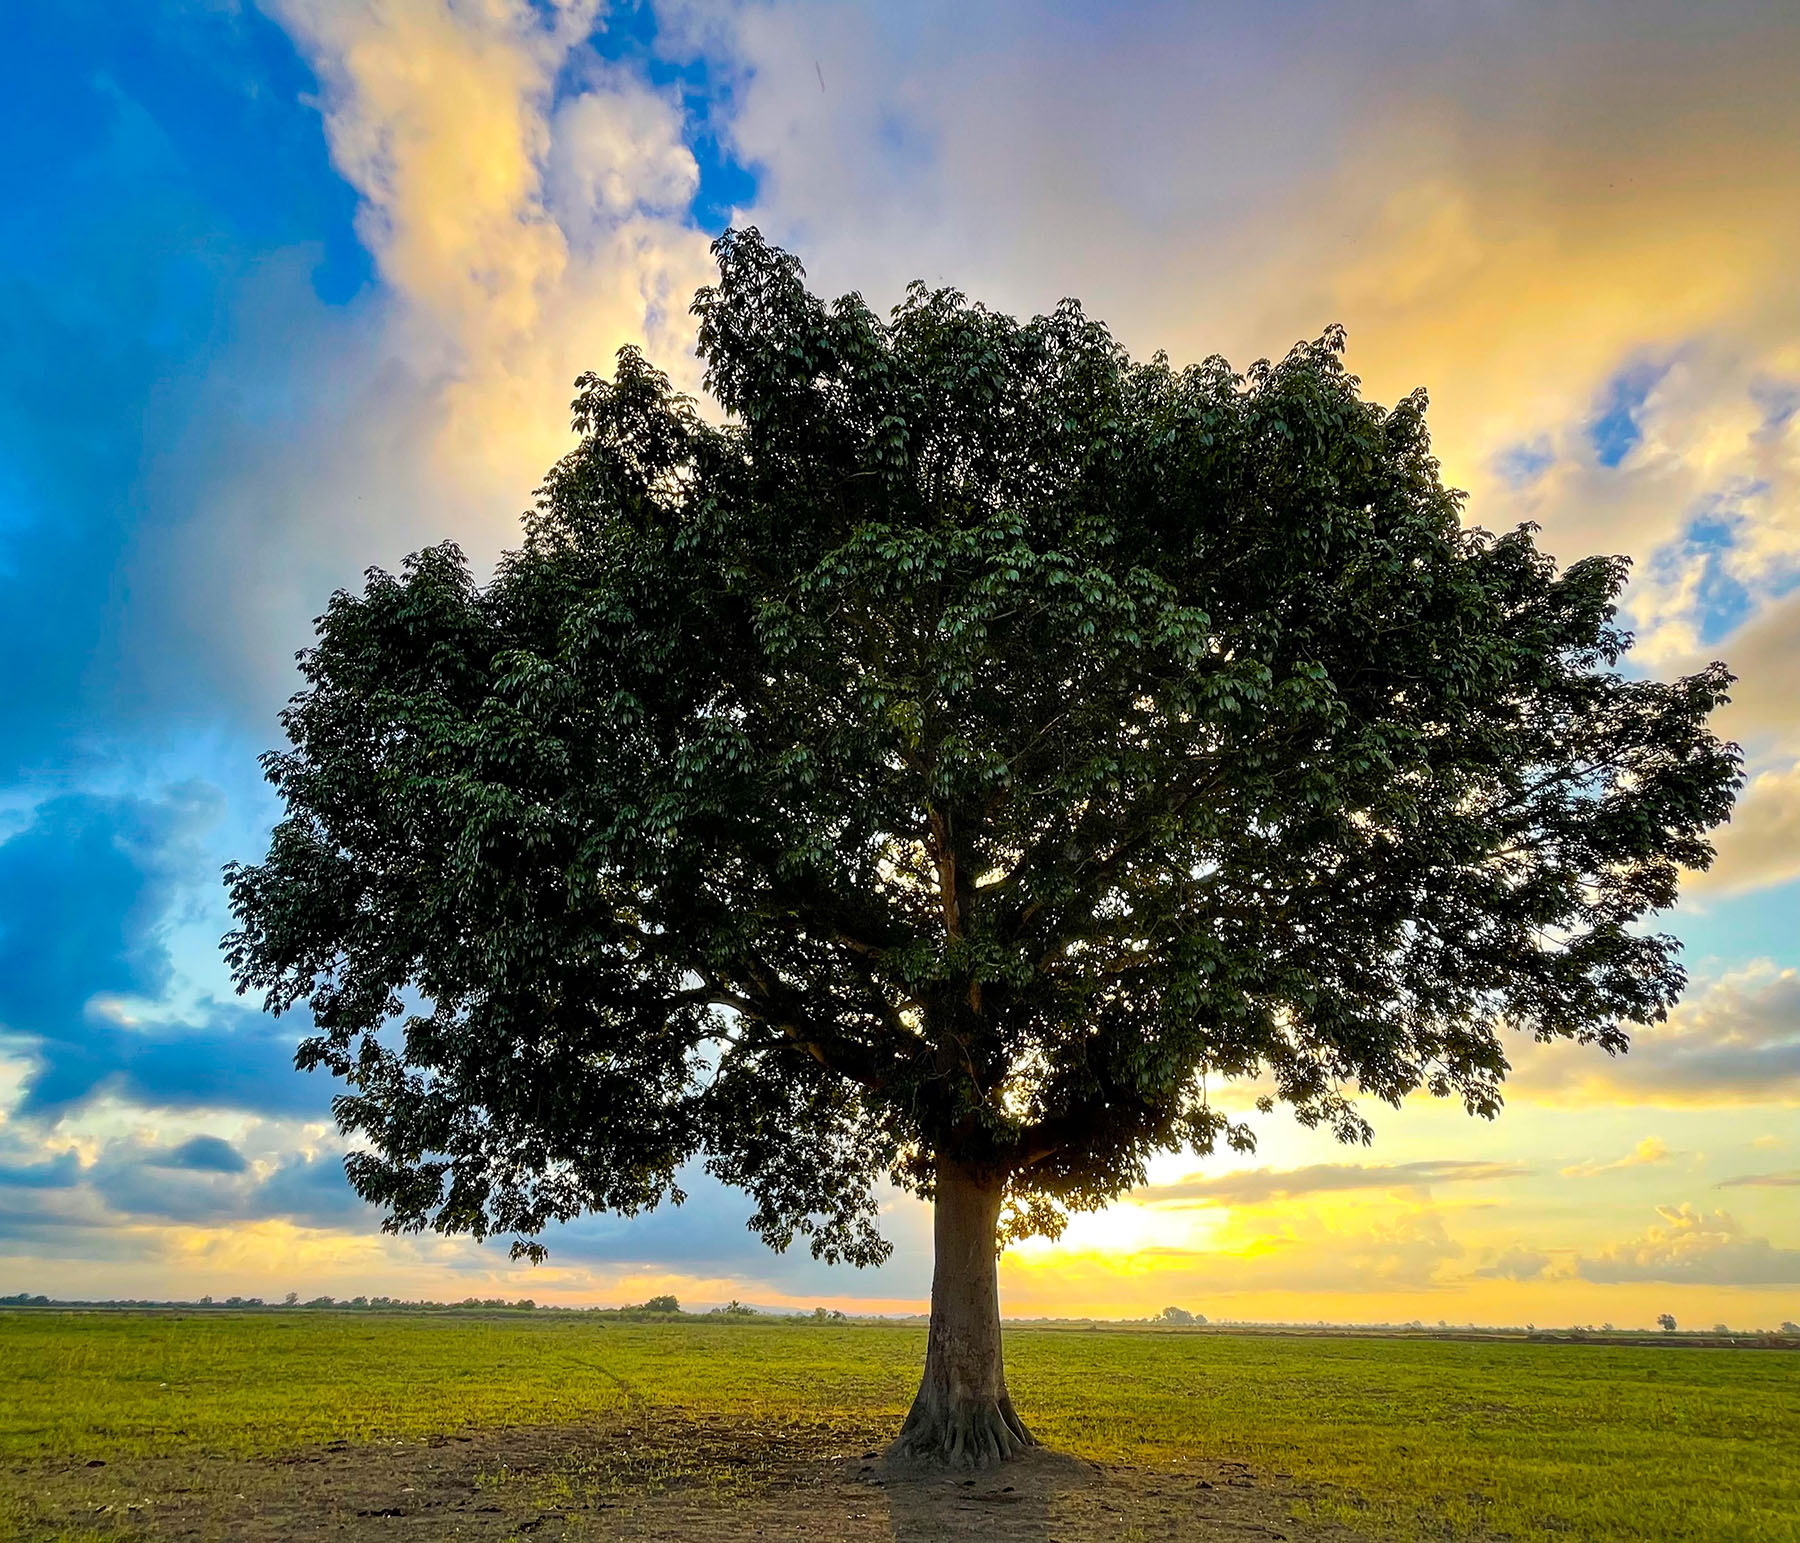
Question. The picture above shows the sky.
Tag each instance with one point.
(294, 287)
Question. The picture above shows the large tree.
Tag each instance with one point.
(946, 770)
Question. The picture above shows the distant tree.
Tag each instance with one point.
(1175, 1315)
(1720, 1328)
(663, 1304)
(290, 1299)
(1666, 1322)
(1788, 1326)
(946, 770)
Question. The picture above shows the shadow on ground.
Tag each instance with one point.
(658, 1476)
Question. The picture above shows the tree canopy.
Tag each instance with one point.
(969, 743)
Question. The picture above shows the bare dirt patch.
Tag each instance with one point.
(657, 1476)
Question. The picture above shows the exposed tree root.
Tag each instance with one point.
(965, 1435)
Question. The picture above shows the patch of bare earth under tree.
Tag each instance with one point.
(660, 1475)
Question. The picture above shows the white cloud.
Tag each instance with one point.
(1761, 845)
(1517, 1263)
(1647, 1153)
(1787, 1179)
(1265, 1186)
(1508, 233)
(526, 241)
(617, 148)
(1695, 1247)
(436, 113)
(1735, 1040)
(519, 241)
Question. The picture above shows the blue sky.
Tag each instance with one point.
(296, 287)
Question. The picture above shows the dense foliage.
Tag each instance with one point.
(978, 744)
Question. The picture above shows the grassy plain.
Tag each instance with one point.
(1393, 1437)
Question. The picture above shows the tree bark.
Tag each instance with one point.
(963, 1417)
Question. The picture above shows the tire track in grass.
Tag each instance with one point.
(636, 1404)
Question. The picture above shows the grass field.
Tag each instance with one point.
(1395, 1438)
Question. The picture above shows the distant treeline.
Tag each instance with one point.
(656, 1307)
(1175, 1318)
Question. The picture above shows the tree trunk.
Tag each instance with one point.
(963, 1417)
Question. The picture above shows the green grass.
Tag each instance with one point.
(1401, 1436)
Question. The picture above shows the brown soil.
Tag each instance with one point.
(660, 1476)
